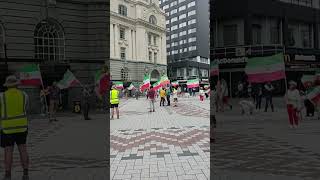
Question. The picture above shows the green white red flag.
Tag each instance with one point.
(307, 80)
(193, 83)
(314, 94)
(175, 83)
(264, 69)
(157, 85)
(131, 87)
(146, 83)
(214, 69)
(118, 84)
(30, 75)
(102, 81)
(68, 80)
(165, 80)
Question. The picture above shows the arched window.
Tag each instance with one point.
(2, 41)
(123, 10)
(49, 41)
(153, 20)
(124, 74)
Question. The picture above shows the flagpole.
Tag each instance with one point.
(45, 95)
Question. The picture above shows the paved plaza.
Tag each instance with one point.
(172, 143)
(263, 147)
(72, 149)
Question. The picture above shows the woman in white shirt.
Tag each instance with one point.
(293, 100)
(201, 93)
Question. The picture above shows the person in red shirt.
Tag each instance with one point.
(151, 95)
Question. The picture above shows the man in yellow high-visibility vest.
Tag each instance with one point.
(14, 125)
(114, 101)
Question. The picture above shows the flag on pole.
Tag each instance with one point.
(102, 80)
(314, 94)
(264, 69)
(165, 80)
(214, 69)
(307, 79)
(193, 83)
(118, 84)
(131, 87)
(30, 75)
(68, 80)
(175, 83)
(146, 83)
(157, 86)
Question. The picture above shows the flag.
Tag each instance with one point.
(30, 75)
(264, 69)
(146, 83)
(157, 85)
(314, 94)
(118, 84)
(165, 80)
(102, 80)
(193, 83)
(175, 83)
(131, 87)
(69, 80)
(307, 79)
(214, 69)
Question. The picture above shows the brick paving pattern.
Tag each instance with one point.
(167, 144)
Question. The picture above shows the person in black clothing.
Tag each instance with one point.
(310, 109)
(268, 95)
(258, 97)
(85, 102)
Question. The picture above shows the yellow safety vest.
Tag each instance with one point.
(12, 111)
(114, 96)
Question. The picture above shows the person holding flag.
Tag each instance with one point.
(293, 100)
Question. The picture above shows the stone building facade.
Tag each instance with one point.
(58, 35)
(137, 40)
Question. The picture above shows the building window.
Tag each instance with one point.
(182, 8)
(183, 33)
(193, 39)
(192, 21)
(174, 11)
(306, 38)
(180, 1)
(155, 58)
(123, 53)
(192, 48)
(174, 19)
(193, 12)
(184, 24)
(175, 27)
(190, 31)
(124, 74)
(2, 41)
(149, 39)
(165, 7)
(150, 56)
(49, 41)
(155, 40)
(230, 37)
(193, 3)
(174, 36)
(123, 10)
(153, 20)
(173, 3)
(122, 33)
(256, 34)
(275, 35)
(182, 16)
(167, 22)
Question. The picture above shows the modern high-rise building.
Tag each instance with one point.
(137, 40)
(187, 24)
(249, 28)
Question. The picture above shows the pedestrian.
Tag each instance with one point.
(201, 94)
(259, 95)
(162, 96)
(43, 102)
(310, 108)
(152, 95)
(293, 100)
(175, 97)
(137, 94)
(54, 98)
(86, 94)
(225, 95)
(240, 89)
(114, 101)
(268, 96)
(249, 90)
(194, 92)
(168, 94)
(14, 126)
